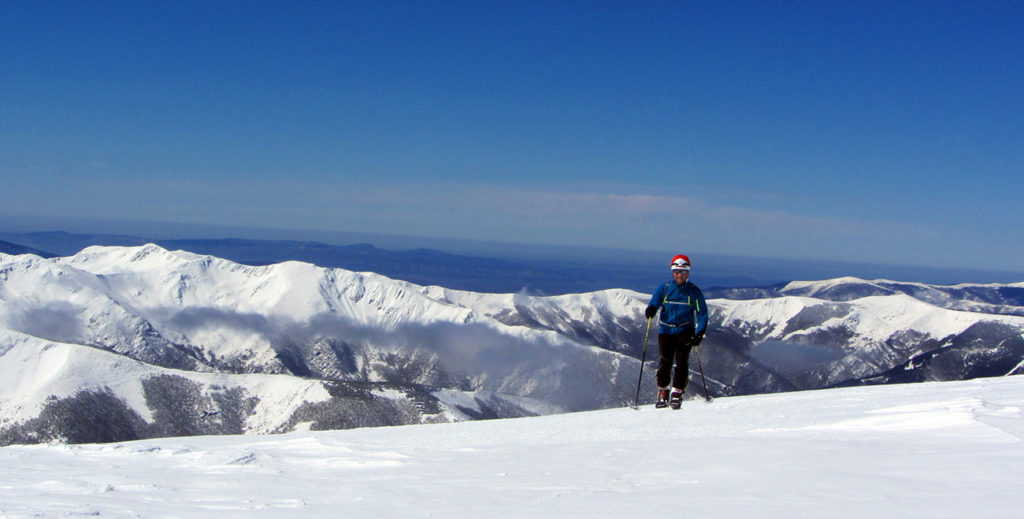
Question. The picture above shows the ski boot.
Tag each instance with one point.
(676, 400)
(662, 399)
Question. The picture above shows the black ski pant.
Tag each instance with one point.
(674, 348)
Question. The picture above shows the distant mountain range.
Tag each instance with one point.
(14, 248)
(505, 268)
(420, 266)
(116, 343)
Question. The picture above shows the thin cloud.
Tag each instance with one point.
(566, 216)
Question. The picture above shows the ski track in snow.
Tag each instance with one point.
(952, 449)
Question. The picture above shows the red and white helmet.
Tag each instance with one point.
(681, 262)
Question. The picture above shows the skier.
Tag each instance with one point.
(684, 318)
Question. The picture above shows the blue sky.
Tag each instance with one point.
(861, 131)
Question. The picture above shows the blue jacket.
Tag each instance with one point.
(680, 307)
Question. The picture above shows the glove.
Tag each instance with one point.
(651, 311)
(696, 340)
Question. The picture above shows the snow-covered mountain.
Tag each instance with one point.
(849, 331)
(160, 342)
(945, 449)
(968, 297)
(119, 343)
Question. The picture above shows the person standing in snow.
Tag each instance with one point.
(684, 318)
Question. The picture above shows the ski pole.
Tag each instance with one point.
(701, 366)
(643, 359)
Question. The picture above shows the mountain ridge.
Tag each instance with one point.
(406, 353)
(501, 268)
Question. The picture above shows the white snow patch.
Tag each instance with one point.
(950, 449)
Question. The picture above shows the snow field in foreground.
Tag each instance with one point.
(926, 450)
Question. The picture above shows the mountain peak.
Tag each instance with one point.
(203, 326)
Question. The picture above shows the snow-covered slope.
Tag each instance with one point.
(836, 331)
(950, 449)
(358, 348)
(159, 342)
(972, 297)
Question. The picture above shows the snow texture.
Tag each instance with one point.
(938, 449)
